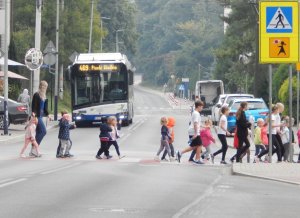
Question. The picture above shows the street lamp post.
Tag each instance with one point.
(102, 18)
(91, 26)
(117, 39)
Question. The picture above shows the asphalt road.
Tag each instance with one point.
(134, 186)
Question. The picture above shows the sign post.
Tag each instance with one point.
(278, 38)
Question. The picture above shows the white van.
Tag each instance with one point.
(208, 91)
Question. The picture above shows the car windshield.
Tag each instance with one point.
(254, 105)
(230, 98)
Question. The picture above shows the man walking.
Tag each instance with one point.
(194, 131)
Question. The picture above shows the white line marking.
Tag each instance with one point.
(59, 169)
(207, 193)
(12, 182)
(6, 180)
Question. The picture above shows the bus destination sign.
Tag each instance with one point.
(99, 67)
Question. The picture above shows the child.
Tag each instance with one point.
(113, 124)
(222, 133)
(105, 137)
(165, 137)
(258, 138)
(170, 125)
(207, 139)
(64, 135)
(298, 134)
(30, 132)
(72, 126)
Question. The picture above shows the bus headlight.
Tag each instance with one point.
(78, 118)
(121, 117)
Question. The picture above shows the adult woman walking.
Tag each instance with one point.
(242, 126)
(40, 109)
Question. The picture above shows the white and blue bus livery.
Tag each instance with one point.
(101, 86)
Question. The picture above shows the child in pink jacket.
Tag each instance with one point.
(30, 131)
(207, 139)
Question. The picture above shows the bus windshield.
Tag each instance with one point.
(96, 87)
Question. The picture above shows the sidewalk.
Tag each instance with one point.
(281, 172)
(16, 133)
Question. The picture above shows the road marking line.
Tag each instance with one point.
(6, 180)
(209, 191)
(12, 182)
(59, 169)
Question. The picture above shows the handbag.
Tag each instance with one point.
(235, 140)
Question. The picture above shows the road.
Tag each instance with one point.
(134, 186)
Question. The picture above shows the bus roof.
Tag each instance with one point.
(209, 81)
(98, 58)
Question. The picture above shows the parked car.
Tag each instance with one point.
(224, 101)
(257, 108)
(17, 112)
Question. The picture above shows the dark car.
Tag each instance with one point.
(17, 112)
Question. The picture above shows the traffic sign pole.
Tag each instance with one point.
(270, 114)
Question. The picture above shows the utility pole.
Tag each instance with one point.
(56, 64)
(5, 103)
(38, 27)
(101, 42)
(91, 26)
(117, 39)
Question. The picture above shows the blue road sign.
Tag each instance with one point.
(279, 19)
(181, 87)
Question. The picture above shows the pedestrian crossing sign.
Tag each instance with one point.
(278, 31)
(279, 19)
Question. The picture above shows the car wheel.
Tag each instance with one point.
(2, 121)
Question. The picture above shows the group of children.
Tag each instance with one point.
(280, 138)
(108, 136)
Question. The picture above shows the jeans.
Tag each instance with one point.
(166, 152)
(59, 146)
(40, 130)
(207, 151)
(224, 148)
(259, 149)
(65, 146)
(164, 144)
(115, 144)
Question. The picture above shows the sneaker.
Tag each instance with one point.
(68, 155)
(98, 157)
(164, 160)
(202, 156)
(172, 159)
(178, 156)
(22, 155)
(32, 154)
(121, 156)
(199, 162)
(39, 155)
(109, 157)
(223, 162)
(212, 158)
(156, 158)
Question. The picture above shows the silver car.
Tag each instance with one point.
(17, 112)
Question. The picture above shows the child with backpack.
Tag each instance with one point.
(113, 124)
(165, 137)
(170, 125)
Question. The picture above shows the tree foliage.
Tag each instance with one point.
(177, 36)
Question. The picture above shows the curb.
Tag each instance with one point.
(20, 138)
(233, 172)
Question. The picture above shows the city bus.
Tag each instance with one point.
(101, 86)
